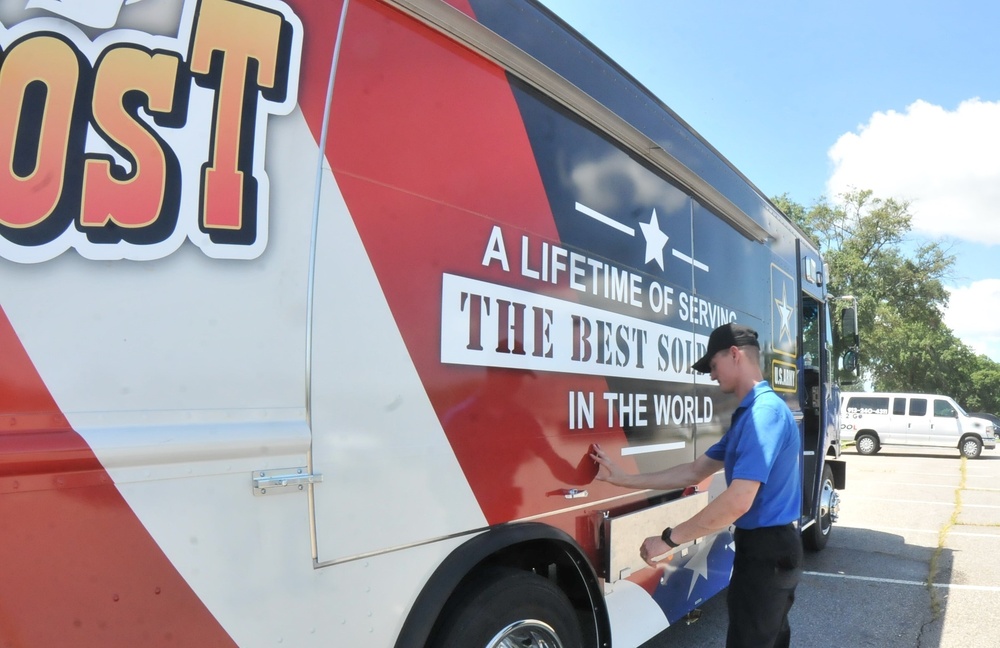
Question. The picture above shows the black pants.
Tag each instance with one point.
(761, 592)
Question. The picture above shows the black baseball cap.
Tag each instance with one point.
(727, 335)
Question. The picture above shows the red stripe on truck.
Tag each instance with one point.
(75, 561)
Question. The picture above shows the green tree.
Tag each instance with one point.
(901, 297)
(985, 396)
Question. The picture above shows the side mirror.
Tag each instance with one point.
(850, 361)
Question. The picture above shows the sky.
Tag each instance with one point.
(814, 98)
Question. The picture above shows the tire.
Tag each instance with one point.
(508, 607)
(817, 535)
(867, 444)
(970, 447)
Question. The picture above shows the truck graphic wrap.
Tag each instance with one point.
(311, 312)
(127, 145)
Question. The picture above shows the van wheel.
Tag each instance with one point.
(509, 607)
(867, 444)
(817, 535)
(971, 447)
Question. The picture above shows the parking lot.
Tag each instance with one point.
(912, 561)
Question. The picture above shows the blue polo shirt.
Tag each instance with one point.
(763, 445)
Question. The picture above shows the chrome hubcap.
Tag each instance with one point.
(526, 634)
(829, 507)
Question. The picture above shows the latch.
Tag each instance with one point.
(282, 480)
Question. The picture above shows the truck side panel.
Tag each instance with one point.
(393, 266)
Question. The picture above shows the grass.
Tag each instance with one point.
(942, 538)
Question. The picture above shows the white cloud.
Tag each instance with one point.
(974, 315)
(945, 162)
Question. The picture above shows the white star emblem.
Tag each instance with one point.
(786, 315)
(699, 565)
(656, 240)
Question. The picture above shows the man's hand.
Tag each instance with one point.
(607, 470)
(652, 551)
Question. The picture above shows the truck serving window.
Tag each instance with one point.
(868, 405)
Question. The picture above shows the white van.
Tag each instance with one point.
(875, 419)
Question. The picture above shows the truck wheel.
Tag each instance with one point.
(867, 444)
(971, 447)
(509, 607)
(817, 535)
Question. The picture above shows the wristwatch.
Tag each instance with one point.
(665, 536)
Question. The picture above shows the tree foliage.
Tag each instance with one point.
(901, 296)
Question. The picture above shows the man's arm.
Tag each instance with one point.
(719, 514)
(675, 477)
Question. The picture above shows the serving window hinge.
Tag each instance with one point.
(283, 480)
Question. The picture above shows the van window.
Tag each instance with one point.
(899, 406)
(944, 409)
(868, 405)
(918, 407)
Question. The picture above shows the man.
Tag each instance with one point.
(760, 454)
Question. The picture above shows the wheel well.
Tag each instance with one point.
(870, 432)
(530, 547)
(969, 435)
(839, 469)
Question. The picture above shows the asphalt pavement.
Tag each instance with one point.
(912, 561)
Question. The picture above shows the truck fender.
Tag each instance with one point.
(503, 546)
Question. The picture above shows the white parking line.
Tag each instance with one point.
(894, 581)
(925, 502)
(901, 473)
(951, 532)
(916, 485)
(926, 485)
